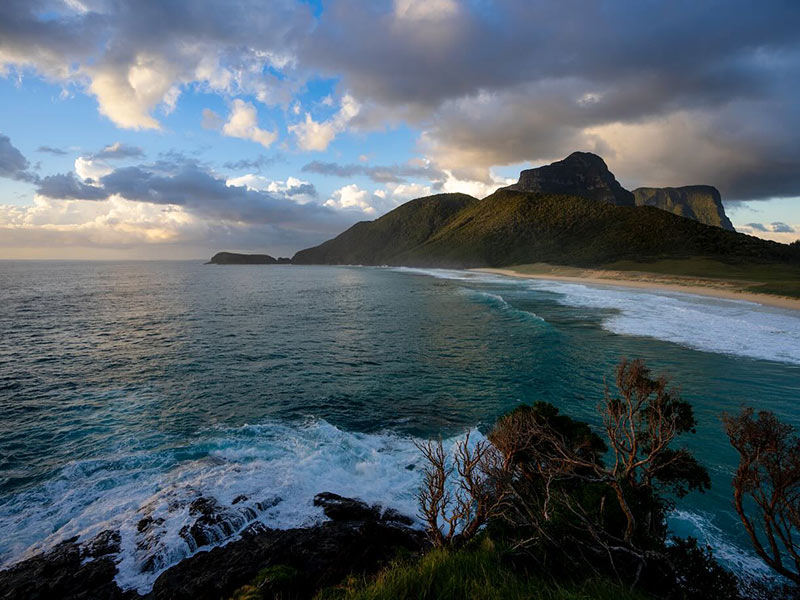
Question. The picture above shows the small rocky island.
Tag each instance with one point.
(232, 258)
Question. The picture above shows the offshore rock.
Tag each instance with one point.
(232, 258)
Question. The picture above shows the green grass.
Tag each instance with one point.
(477, 573)
(763, 278)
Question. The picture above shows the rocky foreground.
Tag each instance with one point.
(357, 539)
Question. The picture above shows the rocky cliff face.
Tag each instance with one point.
(581, 174)
(699, 202)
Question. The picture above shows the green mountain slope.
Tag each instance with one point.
(379, 242)
(511, 227)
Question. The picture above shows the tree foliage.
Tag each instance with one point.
(766, 487)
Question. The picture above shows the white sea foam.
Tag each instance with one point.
(503, 304)
(704, 323)
(732, 556)
(264, 463)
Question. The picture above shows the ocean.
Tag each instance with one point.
(130, 389)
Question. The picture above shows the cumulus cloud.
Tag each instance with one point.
(13, 165)
(135, 58)
(317, 136)
(296, 189)
(757, 226)
(243, 123)
(68, 186)
(353, 198)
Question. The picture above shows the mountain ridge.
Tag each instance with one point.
(572, 212)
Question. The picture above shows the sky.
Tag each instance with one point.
(157, 129)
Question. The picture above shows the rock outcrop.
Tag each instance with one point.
(581, 174)
(699, 202)
(358, 539)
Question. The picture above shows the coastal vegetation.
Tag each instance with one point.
(545, 507)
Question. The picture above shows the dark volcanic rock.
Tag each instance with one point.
(338, 508)
(581, 174)
(231, 258)
(699, 202)
(67, 572)
(323, 555)
(358, 541)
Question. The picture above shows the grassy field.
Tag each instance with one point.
(768, 278)
(476, 573)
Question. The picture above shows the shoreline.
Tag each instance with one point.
(653, 281)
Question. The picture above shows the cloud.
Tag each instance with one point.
(317, 136)
(212, 120)
(118, 150)
(13, 165)
(253, 164)
(67, 186)
(757, 226)
(52, 150)
(424, 10)
(489, 89)
(170, 202)
(296, 189)
(243, 123)
(353, 198)
(779, 227)
(135, 58)
(665, 97)
(379, 174)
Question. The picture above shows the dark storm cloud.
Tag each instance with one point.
(520, 80)
(379, 174)
(488, 83)
(13, 165)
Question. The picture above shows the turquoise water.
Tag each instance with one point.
(129, 389)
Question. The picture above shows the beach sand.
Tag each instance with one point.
(688, 285)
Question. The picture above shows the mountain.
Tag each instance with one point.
(581, 174)
(401, 230)
(231, 258)
(511, 228)
(699, 202)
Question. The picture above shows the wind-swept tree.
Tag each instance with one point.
(766, 487)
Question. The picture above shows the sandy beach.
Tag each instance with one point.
(687, 285)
